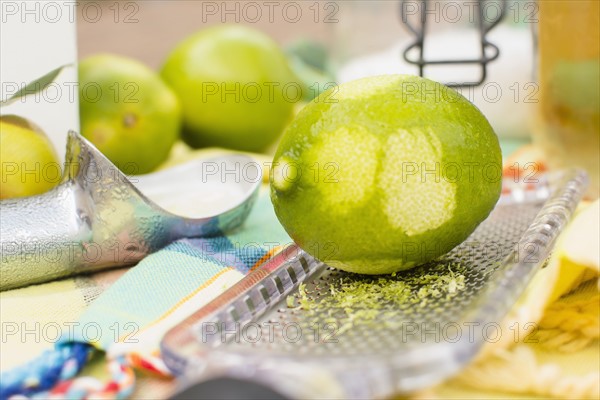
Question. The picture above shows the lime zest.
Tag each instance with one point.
(290, 302)
(355, 300)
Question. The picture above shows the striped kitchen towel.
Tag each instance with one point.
(128, 319)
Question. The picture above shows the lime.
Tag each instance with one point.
(127, 111)
(385, 173)
(235, 86)
(30, 165)
(575, 85)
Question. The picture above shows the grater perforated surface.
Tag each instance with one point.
(328, 331)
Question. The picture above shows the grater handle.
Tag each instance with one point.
(229, 388)
(40, 237)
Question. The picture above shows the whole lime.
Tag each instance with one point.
(236, 88)
(30, 165)
(385, 173)
(127, 111)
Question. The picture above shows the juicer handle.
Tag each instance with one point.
(40, 237)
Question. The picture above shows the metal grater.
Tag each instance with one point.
(408, 347)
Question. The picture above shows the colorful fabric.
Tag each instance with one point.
(43, 373)
(129, 318)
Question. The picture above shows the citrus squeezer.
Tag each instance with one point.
(99, 218)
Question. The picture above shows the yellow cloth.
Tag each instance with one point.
(558, 361)
(33, 317)
(559, 355)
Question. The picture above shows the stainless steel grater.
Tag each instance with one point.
(244, 335)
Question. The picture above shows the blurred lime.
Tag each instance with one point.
(575, 84)
(30, 165)
(235, 86)
(127, 111)
(385, 173)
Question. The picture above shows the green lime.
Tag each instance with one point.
(385, 173)
(30, 165)
(236, 88)
(127, 111)
(576, 86)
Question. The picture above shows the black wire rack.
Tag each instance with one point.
(489, 51)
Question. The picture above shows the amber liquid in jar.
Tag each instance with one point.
(567, 127)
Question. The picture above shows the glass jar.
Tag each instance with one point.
(567, 127)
